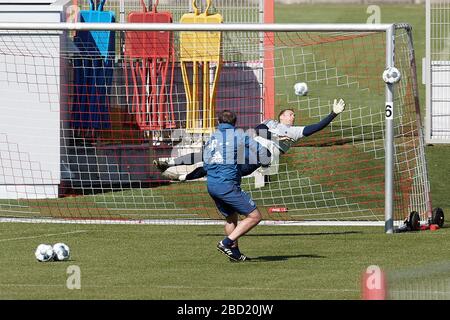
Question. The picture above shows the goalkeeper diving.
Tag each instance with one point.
(276, 136)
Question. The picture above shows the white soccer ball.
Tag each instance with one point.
(391, 75)
(301, 89)
(62, 251)
(44, 253)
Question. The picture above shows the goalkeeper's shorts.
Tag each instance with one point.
(274, 158)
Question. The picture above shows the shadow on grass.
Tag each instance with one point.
(285, 234)
(283, 258)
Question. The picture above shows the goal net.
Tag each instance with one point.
(83, 119)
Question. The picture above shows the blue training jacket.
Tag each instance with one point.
(227, 148)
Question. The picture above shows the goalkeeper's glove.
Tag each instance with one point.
(338, 106)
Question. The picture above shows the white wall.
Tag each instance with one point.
(29, 105)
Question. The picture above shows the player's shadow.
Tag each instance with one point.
(302, 234)
(286, 234)
(284, 258)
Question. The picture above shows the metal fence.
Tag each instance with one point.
(350, 1)
(437, 71)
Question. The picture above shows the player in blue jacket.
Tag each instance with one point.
(224, 154)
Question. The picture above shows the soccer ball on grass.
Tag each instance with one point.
(61, 251)
(44, 253)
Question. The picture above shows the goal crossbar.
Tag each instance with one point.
(263, 27)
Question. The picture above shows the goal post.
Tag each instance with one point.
(389, 139)
(367, 166)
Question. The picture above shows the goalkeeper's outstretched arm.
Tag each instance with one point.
(338, 107)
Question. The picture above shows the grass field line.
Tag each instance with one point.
(43, 235)
(257, 288)
(24, 285)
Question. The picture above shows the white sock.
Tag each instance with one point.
(171, 162)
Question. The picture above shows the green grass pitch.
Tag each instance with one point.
(181, 262)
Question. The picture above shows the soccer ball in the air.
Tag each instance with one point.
(62, 251)
(391, 75)
(301, 89)
(44, 253)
